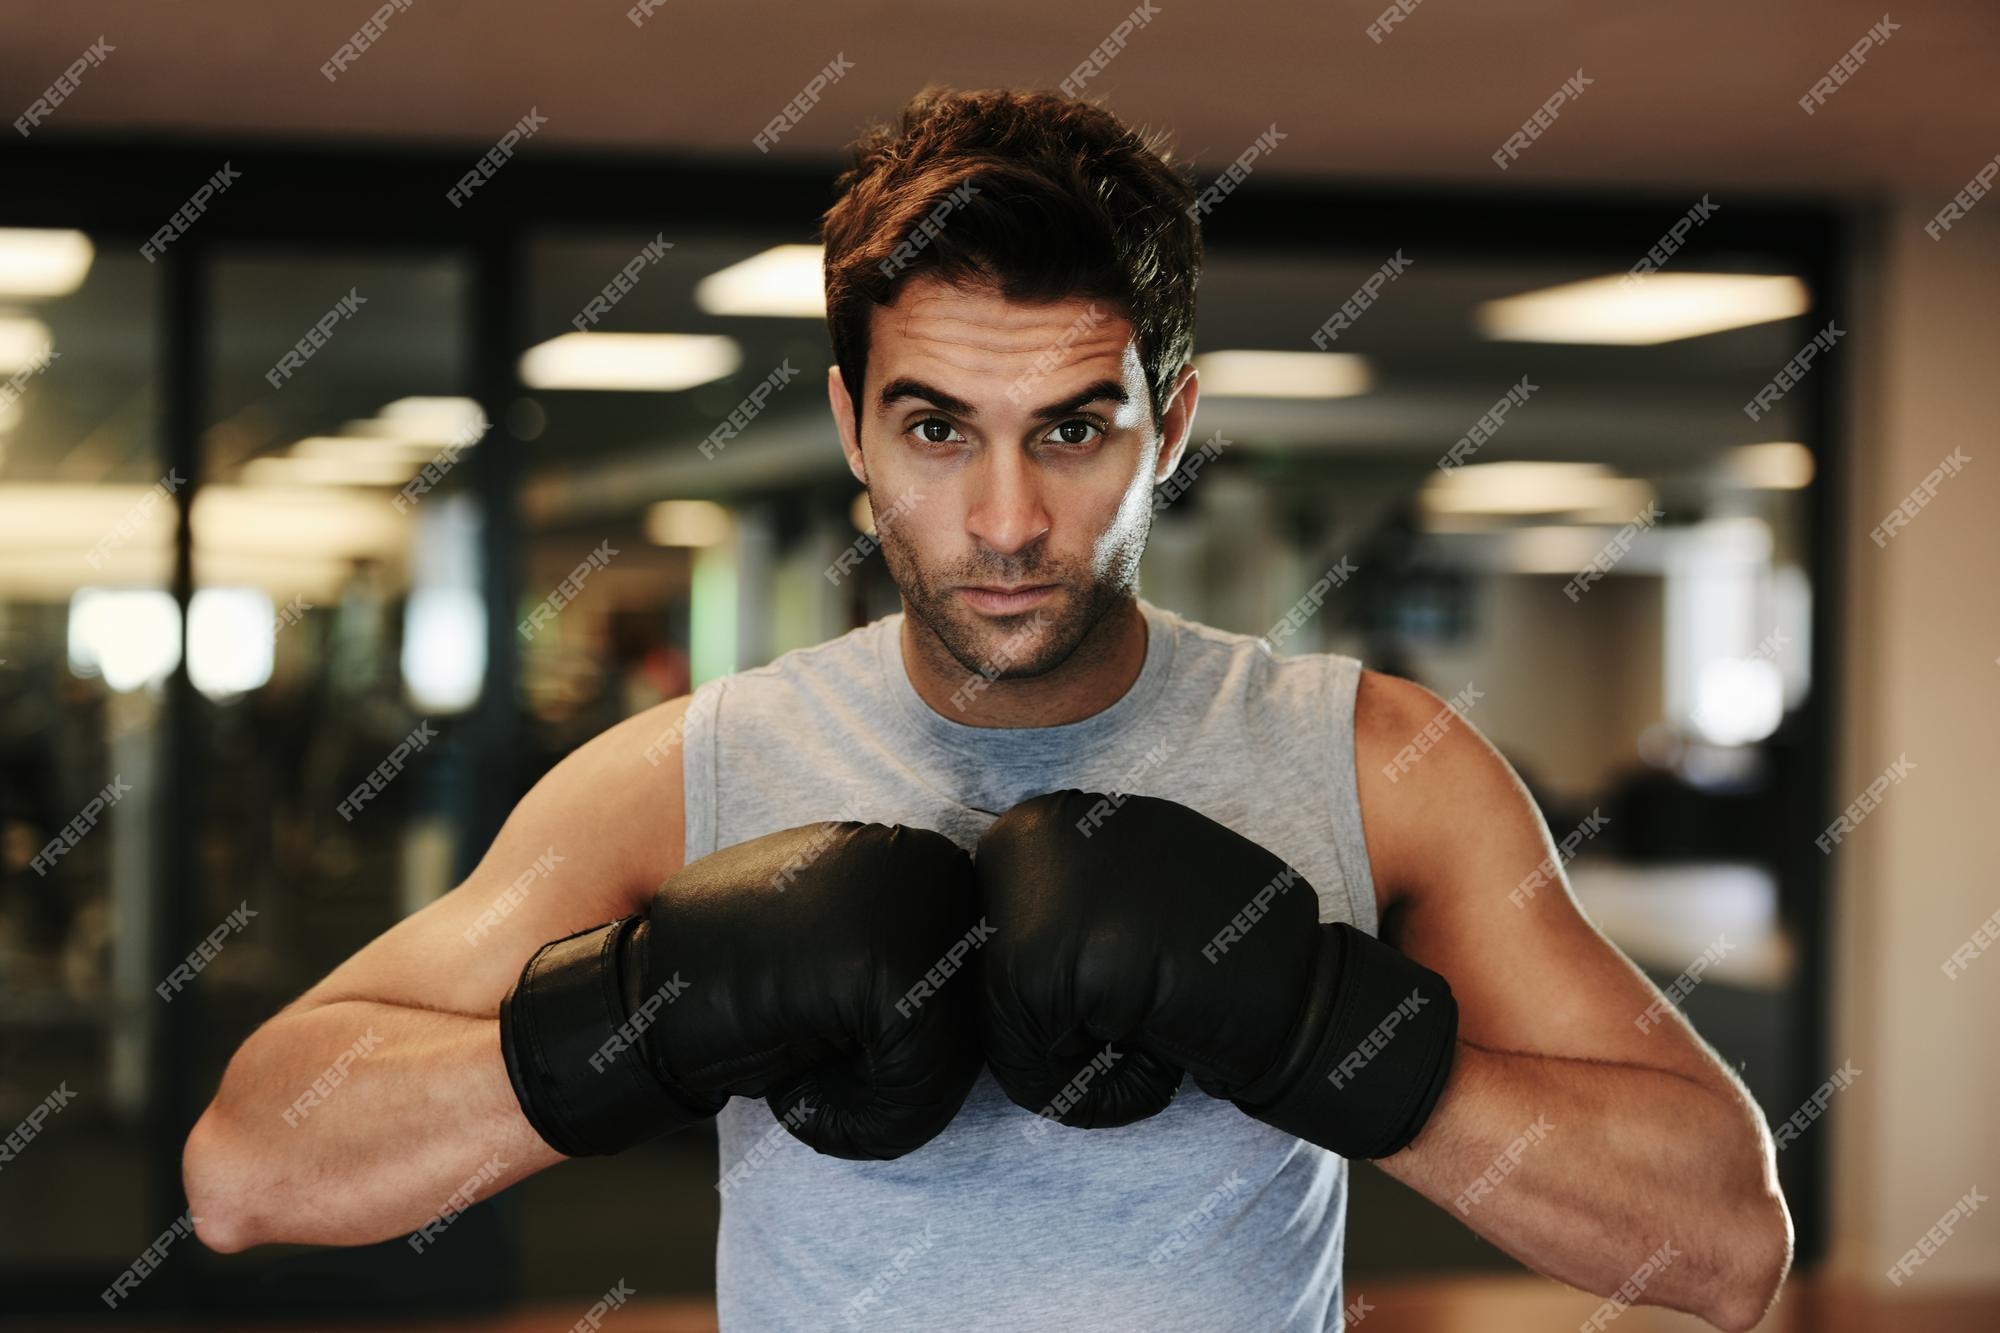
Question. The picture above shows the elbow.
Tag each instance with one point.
(1739, 1318)
(1765, 1249)
(213, 1174)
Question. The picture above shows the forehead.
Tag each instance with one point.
(977, 339)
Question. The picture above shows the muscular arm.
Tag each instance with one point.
(361, 1108)
(1566, 1135)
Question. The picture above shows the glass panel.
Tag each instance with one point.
(337, 645)
(88, 632)
(337, 611)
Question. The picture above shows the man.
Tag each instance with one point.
(1233, 917)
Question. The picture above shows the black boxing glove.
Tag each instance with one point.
(791, 967)
(1136, 939)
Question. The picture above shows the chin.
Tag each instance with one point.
(1016, 647)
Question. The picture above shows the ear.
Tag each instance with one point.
(843, 421)
(1178, 423)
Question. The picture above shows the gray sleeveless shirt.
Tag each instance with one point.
(1197, 1218)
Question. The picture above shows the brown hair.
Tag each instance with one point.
(1069, 203)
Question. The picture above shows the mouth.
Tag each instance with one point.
(1005, 601)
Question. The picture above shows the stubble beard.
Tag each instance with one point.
(1029, 643)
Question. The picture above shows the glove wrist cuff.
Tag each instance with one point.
(573, 1049)
(1373, 1051)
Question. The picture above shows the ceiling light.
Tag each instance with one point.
(431, 419)
(661, 362)
(1248, 374)
(783, 280)
(37, 261)
(283, 523)
(411, 454)
(1661, 308)
(1586, 491)
(286, 470)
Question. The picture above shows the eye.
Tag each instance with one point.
(923, 432)
(1076, 423)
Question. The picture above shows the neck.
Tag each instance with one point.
(1095, 676)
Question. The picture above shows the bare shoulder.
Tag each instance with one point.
(1434, 792)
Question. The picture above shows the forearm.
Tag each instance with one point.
(354, 1122)
(1584, 1170)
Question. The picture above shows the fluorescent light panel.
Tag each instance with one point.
(412, 454)
(1588, 491)
(39, 261)
(1663, 307)
(786, 280)
(292, 470)
(659, 362)
(1259, 374)
(429, 420)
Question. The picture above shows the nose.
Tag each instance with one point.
(1006, 513)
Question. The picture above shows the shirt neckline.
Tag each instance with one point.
(1026, 745)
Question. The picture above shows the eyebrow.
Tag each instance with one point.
(906, 388)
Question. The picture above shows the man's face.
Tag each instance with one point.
(1010, 455)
